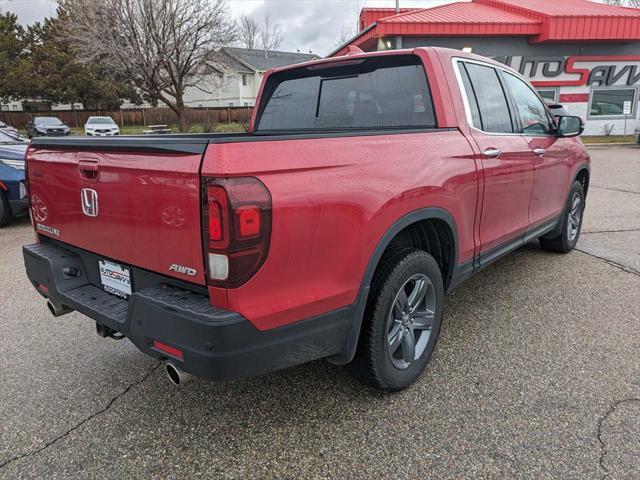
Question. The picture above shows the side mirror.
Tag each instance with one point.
(569, 126)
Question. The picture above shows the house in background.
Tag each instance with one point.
(230, 78)
(234, 77)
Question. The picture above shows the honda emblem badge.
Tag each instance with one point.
(89, 202)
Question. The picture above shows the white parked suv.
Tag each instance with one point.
(101, 127)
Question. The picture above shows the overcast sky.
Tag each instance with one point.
(307, 24)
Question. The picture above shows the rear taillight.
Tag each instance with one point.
(236, 222)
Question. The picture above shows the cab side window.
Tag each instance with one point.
(486, 98)
(533, 115)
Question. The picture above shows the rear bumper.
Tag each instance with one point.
(215, 344)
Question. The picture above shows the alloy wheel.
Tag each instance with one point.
(574, 217)
(410, 321)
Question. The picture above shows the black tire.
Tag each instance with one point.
(5, 211)
(568, 238)
(373, 364)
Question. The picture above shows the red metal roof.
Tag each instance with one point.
(541, 20)
(575, 20)
(371, 15)
(567, 7)
(460, 18)
(460, 12)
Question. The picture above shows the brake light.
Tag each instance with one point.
(248, 221)
(236, 228)
(217, 203)
(215, 222)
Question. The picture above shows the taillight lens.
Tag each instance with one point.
(236, 228)
(248, 221)
(217, 205)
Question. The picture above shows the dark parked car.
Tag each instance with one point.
(47, 127)
(8, 129)
(13, 191)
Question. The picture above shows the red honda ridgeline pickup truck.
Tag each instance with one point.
(367, 186)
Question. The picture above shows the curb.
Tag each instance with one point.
(616, 145)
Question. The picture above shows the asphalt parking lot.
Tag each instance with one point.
(536, 375)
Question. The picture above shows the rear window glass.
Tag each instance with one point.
(381, 92)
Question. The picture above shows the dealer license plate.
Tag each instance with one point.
(115, 278)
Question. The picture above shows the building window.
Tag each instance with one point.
(246, 80)
(4, 107)
(246, 104)
(549, 95)
(231, 104)
(611, 102)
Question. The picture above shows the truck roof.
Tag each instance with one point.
(441, 51)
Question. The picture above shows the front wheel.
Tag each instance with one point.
(571, 222)
(402, 320)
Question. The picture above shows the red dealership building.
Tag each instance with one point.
(582, 54)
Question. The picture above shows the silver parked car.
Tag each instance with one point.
(9, 130)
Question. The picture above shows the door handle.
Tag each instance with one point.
(88, 169)
(538, 152)
(492, 152)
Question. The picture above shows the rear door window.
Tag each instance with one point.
(379, 92)
(485, 94)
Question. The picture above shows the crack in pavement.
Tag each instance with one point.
(82, 422)
(624, 268)
(612, 231)
(613, 189)
(601, 420)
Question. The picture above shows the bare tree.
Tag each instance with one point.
(248, 32)
(270, 34)
(253, 34)
(347, 32)
(161, 45)
(350, 27)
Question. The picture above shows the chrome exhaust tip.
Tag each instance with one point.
(176, 376)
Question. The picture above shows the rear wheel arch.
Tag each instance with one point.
(430, 227)
(418, 229)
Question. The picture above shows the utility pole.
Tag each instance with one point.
(398, 38)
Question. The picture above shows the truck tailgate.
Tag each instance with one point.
(131, 205)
